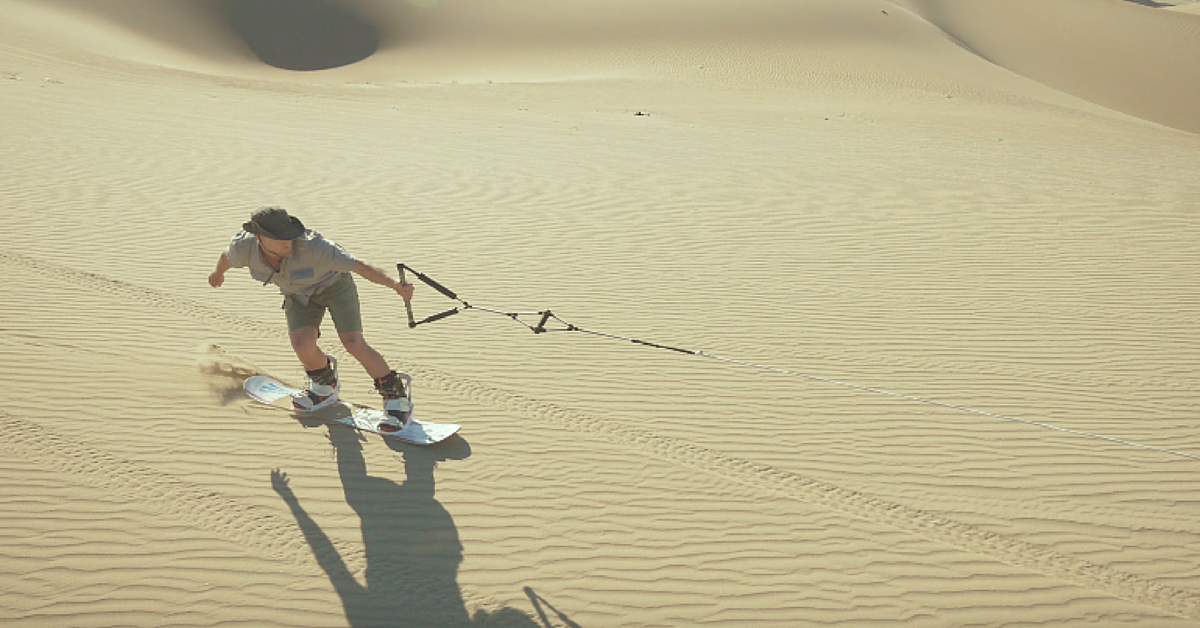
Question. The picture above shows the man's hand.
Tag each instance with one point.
(216, 279)
(405, 290)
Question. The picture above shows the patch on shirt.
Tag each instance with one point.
(303, 273)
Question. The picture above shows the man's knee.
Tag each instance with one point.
(354, 343)
(304, 337)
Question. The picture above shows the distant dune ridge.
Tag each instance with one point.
(1119, 54)
(939, 257)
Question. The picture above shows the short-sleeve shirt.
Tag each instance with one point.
(315, 264)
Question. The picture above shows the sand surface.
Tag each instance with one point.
(913, 238)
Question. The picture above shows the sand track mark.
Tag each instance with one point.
(775, 481)
(264, 532)
(149, 296)
(758, 476)
(249, 526)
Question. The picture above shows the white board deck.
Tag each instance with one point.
(265, 389)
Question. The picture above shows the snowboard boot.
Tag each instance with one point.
(322, 391)
(396, 404)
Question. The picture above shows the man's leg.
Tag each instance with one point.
(323, 384)
(304, 343)
(395, 398)
(357, 346)
(342, 299)
(304, 324)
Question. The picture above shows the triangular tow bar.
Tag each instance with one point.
(543, 317)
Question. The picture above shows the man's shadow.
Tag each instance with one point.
(411, 544)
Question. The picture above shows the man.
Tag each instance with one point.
(313, 274)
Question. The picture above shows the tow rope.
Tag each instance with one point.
(546, 317)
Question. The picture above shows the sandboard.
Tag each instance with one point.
(265, 389)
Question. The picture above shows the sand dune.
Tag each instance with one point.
(1135, 59)
(939, 258)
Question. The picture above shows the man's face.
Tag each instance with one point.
(278, 248)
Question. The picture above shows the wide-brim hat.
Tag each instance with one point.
(275, 223)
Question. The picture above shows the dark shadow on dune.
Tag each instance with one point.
(1151, 3)
(302, 35)
(297, 35)
(411, 544)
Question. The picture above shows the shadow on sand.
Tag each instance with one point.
(411, 544)
(302, 35)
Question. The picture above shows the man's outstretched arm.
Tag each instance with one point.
(218, 276)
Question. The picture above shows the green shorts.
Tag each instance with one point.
(340, 298)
